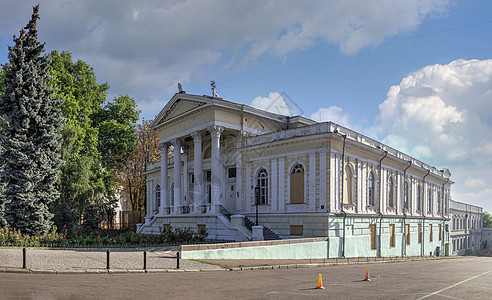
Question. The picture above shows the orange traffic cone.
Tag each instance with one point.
(320, 283)
(367, 276)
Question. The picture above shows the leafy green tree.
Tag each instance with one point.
(117, 131)
(81, 181)
(487, 220)
(2, 81)
(97, 138)
(31, 143)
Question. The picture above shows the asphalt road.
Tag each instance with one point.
(460, 278)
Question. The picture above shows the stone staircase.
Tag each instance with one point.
(268, 234)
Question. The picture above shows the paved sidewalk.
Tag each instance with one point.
(94, 261)
(158, 260)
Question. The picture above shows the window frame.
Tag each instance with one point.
(262, 183)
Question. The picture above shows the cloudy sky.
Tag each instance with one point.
(414, 74)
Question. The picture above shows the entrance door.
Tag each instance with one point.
(230, 196)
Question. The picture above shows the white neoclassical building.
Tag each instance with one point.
(466, 227)
(235, 165)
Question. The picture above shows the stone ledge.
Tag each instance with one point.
(250, 244)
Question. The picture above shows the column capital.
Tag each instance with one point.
(197, 136)
(163, 146)
(176, 143)
(215, 130)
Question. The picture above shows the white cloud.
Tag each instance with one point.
(473, 182)
(274, 103)
(332, 114)
(441, 114)
(145, 48)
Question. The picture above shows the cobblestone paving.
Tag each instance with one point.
(43, 259)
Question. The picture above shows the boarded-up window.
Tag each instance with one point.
(392, 234)
(430, 232)
(440, 232)
(296, 230)
(297, 184)
(372, 230)
(407, 234)
(419, 228)
(202, 228)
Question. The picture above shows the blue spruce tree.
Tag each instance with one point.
(31, 141)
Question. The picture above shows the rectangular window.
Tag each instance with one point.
(407, 234)
(419, 229)
(430, 232)
(202, 228)
(231, 172)
(392, 234)
(296, 230)
(372, 229)
(440, 232)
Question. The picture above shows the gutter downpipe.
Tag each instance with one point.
(403, 208)
(341, 198)
(443, 218)
(423, 214)
(380, 214)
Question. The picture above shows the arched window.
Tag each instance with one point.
(262, 183)
(297, 184)
(207, 152)
(406, 196)
(391, 192)
(371, 194)
(419, 198)
(157, 197)
(430, 200)
(347, 187)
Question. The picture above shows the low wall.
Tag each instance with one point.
(309, 248)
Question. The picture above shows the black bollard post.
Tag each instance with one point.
(24, 264)
(145, 260)
(177, 260)
(107, 259)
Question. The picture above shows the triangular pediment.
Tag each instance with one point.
(179, 105)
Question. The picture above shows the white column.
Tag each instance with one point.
(239, 175)
(248, 188)
(322, 181)
(333, 183)
(164, 178)
(148, 208)
(281, 184)
(177, 174)
(274, 185)
(186, 187)
(216, 184)
(312, 182)
(198, 194)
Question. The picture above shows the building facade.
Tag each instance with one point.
(466, 227)
(235, 165)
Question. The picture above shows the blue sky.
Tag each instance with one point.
(413, 74)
